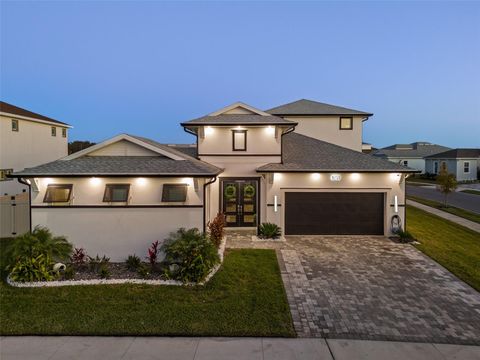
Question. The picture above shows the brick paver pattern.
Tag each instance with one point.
(368, 287)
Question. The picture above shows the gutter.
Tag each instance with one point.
(22, 181)
(194, 134)
(204, 201)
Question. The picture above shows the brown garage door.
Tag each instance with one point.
(328, 213)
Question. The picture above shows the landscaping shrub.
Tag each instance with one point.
(144, 271)
(79, 258)
(153, 254)
(193, 252)
(69, 273)
(96, 263)
(404, 236)
(39, 242)
(216, 229)
(269, 231)
(104, 272)
(33, 268)
(132, 262)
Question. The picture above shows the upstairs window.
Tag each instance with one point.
(346, 123)
(174, 193)
(405, 162)
(14, 125)
(466, 167)
(239, 140)
(58, 193)
(54, 131)
(116, 193)
(4, 173)
(64, 132)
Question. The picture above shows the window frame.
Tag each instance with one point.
(468, 166)
(435, 167)
(244, 132)
(53, 131)
(64, 132)
(58, 186)
(405, 162)
(15, 128)
(4, 173)
(113, 186)
(166, 187)
(351, 123)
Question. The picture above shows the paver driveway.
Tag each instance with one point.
(371, 288)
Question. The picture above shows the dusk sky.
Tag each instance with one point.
(143, 67)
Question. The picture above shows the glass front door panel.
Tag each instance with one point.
(240, 202)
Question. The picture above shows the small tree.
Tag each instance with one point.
(446, 183)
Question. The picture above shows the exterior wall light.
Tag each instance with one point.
(209, 130)
(275, 203)
(141, 181)
(270, 130)
(47, 181)
(188, 181)
(94, 181)
(395, 176)
(395, 202)
(277, 176)
(355, 176)
(315, 176)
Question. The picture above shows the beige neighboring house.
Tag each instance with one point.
(299, 165)
(27, 139)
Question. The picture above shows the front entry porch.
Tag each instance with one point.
(239, 201)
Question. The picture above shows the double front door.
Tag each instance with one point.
(240, 202)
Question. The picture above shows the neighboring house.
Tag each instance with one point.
(411, 155)
(27, 139)
(120, 195)
(463, 163)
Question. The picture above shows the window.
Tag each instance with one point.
(466, 167)
(54, 131)
(116, 193)
(4, 173)
(14, 125)
(58, 193)
(64, 132)
(405, 162)
(239, 140)
(443, 166)
(435, 167)
(346, 123)
(174, 193)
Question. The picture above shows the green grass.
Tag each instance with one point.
(453, 246)
(471, 191)
(450, 209)
(420, 180)
(245, 298)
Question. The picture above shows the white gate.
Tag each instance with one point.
(14, 215)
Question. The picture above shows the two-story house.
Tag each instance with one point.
(299, 165)
(27, 139)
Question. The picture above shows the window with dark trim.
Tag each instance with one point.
(116, 193)
(346, 123)
(239, 140)
(435, 167)
(4, 173)
(64, 132)
(466, 167)
(174, 192)
(405, 162)
(54, 131)
(58, 193)
(14, 125)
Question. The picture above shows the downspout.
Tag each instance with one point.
(22, 181)
(204, 202)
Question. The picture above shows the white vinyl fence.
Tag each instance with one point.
(14, 215)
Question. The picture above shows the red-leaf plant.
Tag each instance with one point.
(153, 253)
(79, 257)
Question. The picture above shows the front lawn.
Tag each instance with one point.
(471, 191)
(469, 215)
(245, 298)
(453, 246)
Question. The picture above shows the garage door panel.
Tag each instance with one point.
(327, 213)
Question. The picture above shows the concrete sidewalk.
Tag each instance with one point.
(454, 218)
(106, 348)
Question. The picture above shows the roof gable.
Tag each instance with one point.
(456, 154)
(239, 108)
(310, 107)
(139, 142)
(9, 109)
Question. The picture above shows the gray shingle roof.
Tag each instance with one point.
(121, 166)
(234, 119)
(303, 153)
(15, 110)
(413, 150)
(309, 107)
(456, 154)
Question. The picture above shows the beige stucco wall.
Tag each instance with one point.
(390, 184)
(218, 140)
(327, 128)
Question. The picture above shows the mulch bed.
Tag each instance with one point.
(119, 271)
